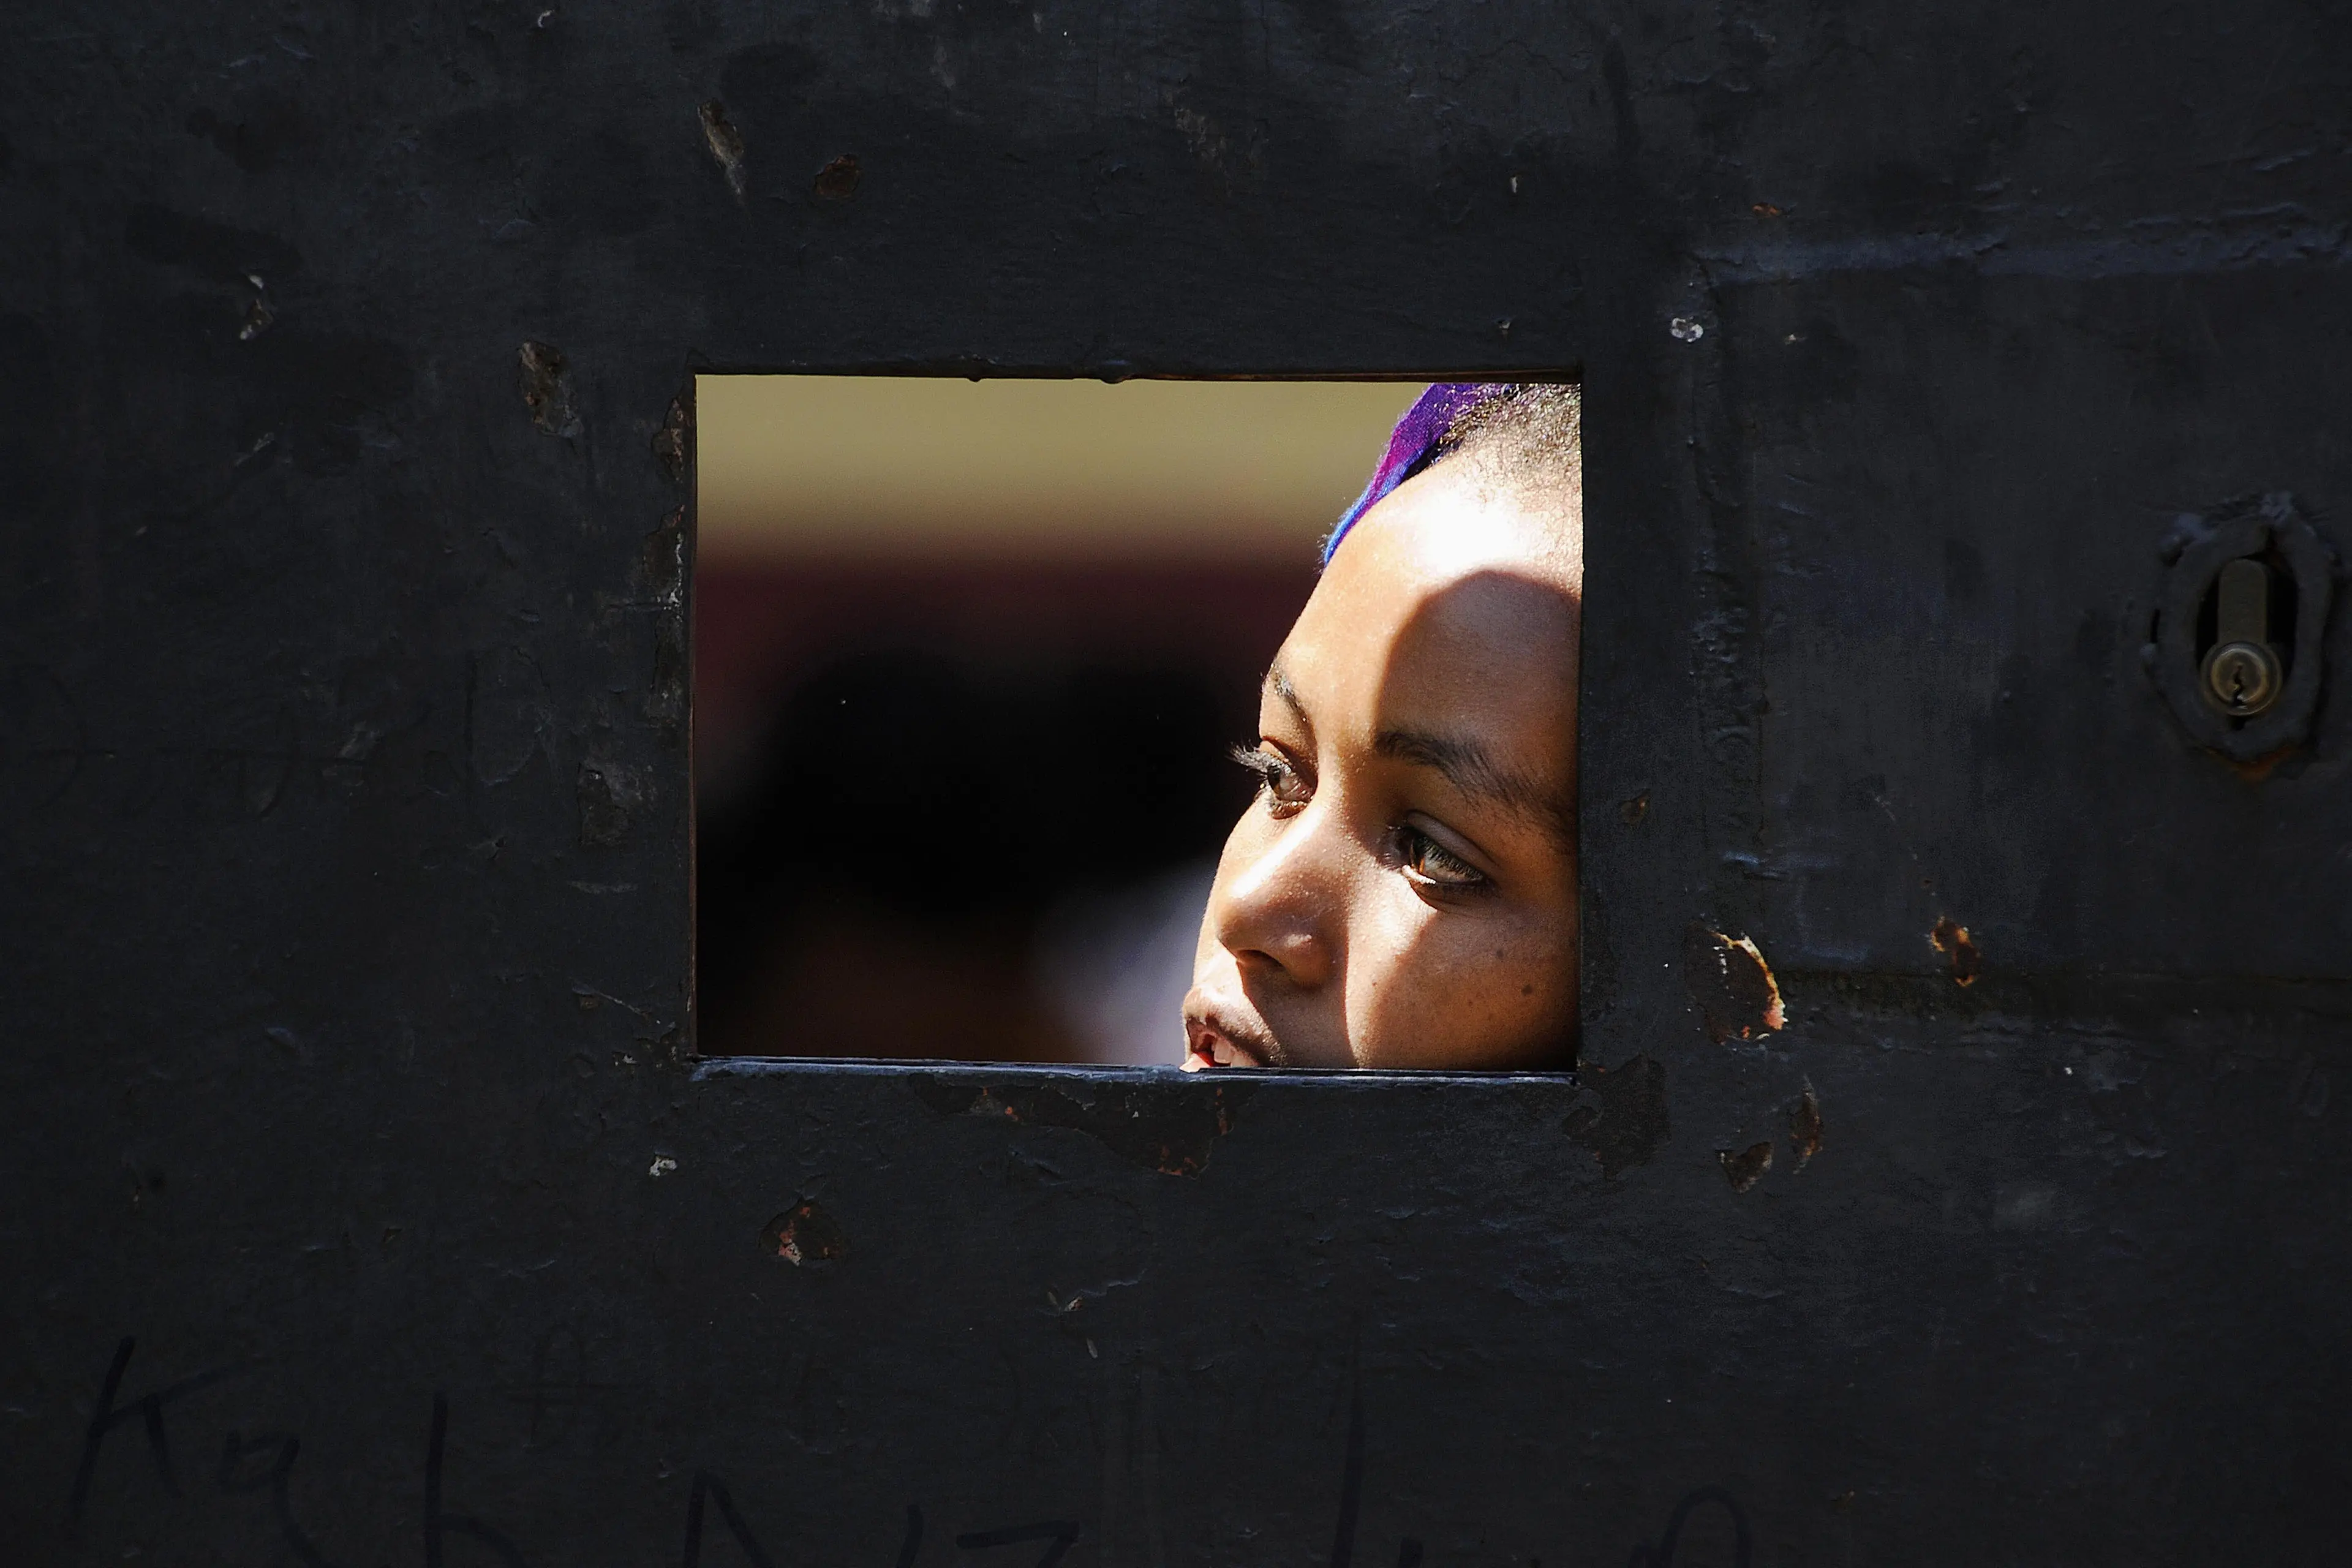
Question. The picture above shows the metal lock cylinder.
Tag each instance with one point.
(2242, 674)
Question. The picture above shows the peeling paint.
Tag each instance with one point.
(671, 444)
(261, 314)
(726, 144)
(1745, 1169)
(1730, 983)
(1805, 1129)
(610, 795)
(838, 181)
(547, 390)
(805, 1234)
(1951, 939)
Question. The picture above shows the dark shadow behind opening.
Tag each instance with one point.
(953, 784)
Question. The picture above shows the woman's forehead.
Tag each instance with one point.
(1441, 572)
(1456, 518)
(1488, 648)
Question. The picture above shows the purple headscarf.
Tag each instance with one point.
(1411, 443)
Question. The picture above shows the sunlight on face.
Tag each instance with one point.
(1402, 893)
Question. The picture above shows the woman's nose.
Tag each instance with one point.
(1283, 907)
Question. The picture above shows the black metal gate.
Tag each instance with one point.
(368, 1204)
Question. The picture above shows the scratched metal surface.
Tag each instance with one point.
(357, 1164)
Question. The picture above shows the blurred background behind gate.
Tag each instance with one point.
(968, 656)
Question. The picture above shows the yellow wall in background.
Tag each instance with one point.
(796, 465)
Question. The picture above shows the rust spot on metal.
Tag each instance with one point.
(547, 389)
(805, 1234)
(1733, 986)
(838, 181)
(1951, 939)
(2261, 767)
(1620, 1115)
(1746, 1168)
(726, 144)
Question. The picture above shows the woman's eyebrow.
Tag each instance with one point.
(1279, 684)
(1468, 767)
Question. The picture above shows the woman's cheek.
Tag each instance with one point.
(1406, 978)
(1496, 978)
(1466, 987)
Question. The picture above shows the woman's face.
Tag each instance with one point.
(1402, 893)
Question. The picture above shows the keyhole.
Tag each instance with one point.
(2243, 671)
(2233, 643)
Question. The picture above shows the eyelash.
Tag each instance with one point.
(1418, 851)
(1285, 793)
(1274, 776)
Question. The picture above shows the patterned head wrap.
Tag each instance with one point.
(1414, 444)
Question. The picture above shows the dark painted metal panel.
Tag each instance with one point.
(342, 757)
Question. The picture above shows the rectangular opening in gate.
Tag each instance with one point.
(974, 666)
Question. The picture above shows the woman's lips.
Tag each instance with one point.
(1213, 1040)
(1210, 1049)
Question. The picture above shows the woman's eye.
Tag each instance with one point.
(1432, 864)
(1285, 788)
